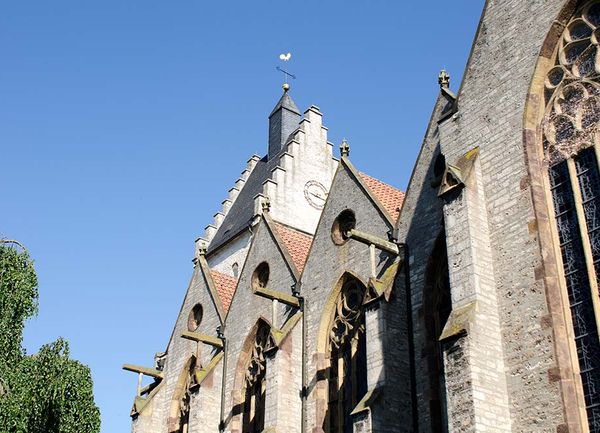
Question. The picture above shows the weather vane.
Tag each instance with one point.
(286, 74)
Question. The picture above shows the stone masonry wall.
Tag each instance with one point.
(420, 222)
(155, 416)
(243, 314)
(490, 115)
(325, 266)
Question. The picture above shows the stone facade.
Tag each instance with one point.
(345, 305)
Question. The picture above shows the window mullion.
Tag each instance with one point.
(585, 239)
(354, 378)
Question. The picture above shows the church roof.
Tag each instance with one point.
(225, 287)
(242, 210)
(286, 102)
(297, 243)
(391, 198)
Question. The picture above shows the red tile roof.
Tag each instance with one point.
(225, 287)
(297, 244)
(390, 197)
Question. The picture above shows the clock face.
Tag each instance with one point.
(315, 194)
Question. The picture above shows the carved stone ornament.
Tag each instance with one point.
(189, 387)
(348, 310)
(262, 344)
(572, 88)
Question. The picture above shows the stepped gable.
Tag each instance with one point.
(297, 243)
(391, 198)
(242, 210)
(283, 121)
(226, 286)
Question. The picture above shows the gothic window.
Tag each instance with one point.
(256, 384)
(179, 418)
(184, 413)
(571, 139)
(348, 357)
(437, 307)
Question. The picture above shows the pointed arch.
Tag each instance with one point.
(179, 412)
(437, 305)
(341, 343)
(250, 378)
(561, 148)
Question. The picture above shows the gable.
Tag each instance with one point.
(264, 249)
(327, 261)
(198, 292)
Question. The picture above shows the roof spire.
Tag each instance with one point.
(285, 117)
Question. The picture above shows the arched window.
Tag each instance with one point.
(571, 138)
(179, 415)
(184, 413)
(348, 357)
(437, 305)
(256, 383)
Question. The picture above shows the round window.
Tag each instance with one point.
(341, 227)
(260, 277)
(195, 317)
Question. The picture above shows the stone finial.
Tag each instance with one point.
(344, 148)
(266, 205)
(444, 79)
(201, 247)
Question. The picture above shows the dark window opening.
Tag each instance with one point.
(253, 420)
(348, 358)
(260, 277)
(437, 308)
(342, 225)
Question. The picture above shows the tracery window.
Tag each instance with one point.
(571, 145)
(184, 412)
(256, 383)
(348, 357)
(179, 420)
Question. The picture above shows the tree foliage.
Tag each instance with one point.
(43, 393)
(18, 300)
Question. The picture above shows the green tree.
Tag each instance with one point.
(43, 393)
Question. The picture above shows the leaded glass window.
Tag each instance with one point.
(571, 139)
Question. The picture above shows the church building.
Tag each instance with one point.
(323, 300)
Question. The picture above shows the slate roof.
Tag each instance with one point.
(242, 210)
(297, 243)
(391, 198)
(225, 287)
(285, 102)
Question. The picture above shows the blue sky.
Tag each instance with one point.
(124, 123)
